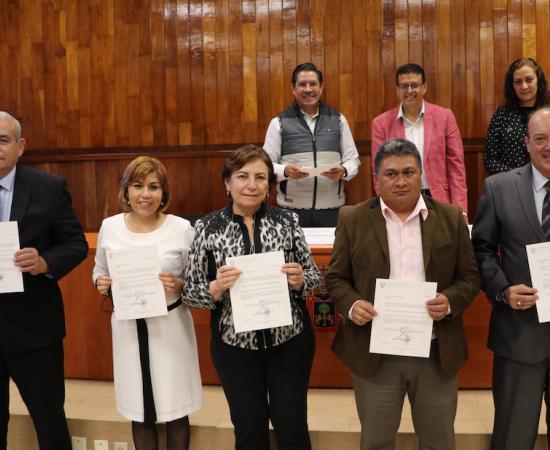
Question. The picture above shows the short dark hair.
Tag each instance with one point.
(242, 156)
(396, 147)
(137, 170)
(306, 67)
(410, 68)
(512, 100)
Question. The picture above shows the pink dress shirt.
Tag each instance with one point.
(404, 244)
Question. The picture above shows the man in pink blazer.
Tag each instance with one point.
(434, 131)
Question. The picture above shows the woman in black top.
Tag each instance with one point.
(525, 89)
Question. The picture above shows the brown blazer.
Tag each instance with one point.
(360, 256)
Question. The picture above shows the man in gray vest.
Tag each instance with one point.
(309, 135)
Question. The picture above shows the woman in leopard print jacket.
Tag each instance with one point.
(265, 372)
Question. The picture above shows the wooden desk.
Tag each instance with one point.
(88, 352)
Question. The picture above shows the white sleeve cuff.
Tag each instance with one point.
(351, 309)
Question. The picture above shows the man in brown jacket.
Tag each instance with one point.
(403, 235)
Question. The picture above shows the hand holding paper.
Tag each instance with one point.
(29, 260)
(403, 326)
(323, 170)
(294, 275)
(103, 284)
(362, 312)
(225, 278)
(296, 172)
(438, 307)
(335, 173)
(172, 284)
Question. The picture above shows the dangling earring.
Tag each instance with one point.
(228, 193)
(267, 194)
(161, 203)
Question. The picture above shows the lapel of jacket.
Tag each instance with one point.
(21, 194)
(377, 223)
(427, 130)
(428, 230)
(524, 185)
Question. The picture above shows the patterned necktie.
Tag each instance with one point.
(546, 212)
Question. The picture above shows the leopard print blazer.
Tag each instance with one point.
(221, 234)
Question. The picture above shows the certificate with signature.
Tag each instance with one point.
(538, 256)
(403, 326)
(259, 297)
(137, 291)
(11, 278)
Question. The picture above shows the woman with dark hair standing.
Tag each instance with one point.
(525, 89)
(264, 373)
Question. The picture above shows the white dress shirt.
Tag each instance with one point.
(539, 180)
(414, 132)
(404, 244)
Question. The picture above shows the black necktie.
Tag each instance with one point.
(546, 212)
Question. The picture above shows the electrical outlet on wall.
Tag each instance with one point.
(101, 444)
(78, 443)
(120, 446)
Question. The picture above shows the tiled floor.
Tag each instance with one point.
(329, 410)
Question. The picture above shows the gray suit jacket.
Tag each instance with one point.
(506, 222)
(361, 254)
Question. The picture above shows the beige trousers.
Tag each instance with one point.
(433, 400)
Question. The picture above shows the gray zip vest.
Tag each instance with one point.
(300, 146)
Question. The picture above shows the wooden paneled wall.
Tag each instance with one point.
(143, 73)
(97, 82)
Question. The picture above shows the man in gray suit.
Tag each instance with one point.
(514, 211)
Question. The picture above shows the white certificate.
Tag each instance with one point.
(316, 171)
(11, 278)
(403, 326)
(259, 297)
(137, 290)
(538, 256)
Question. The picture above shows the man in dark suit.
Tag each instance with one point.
(402, 235)
(514, 211)
(32, 323)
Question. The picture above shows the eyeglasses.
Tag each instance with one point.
(414, 86)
